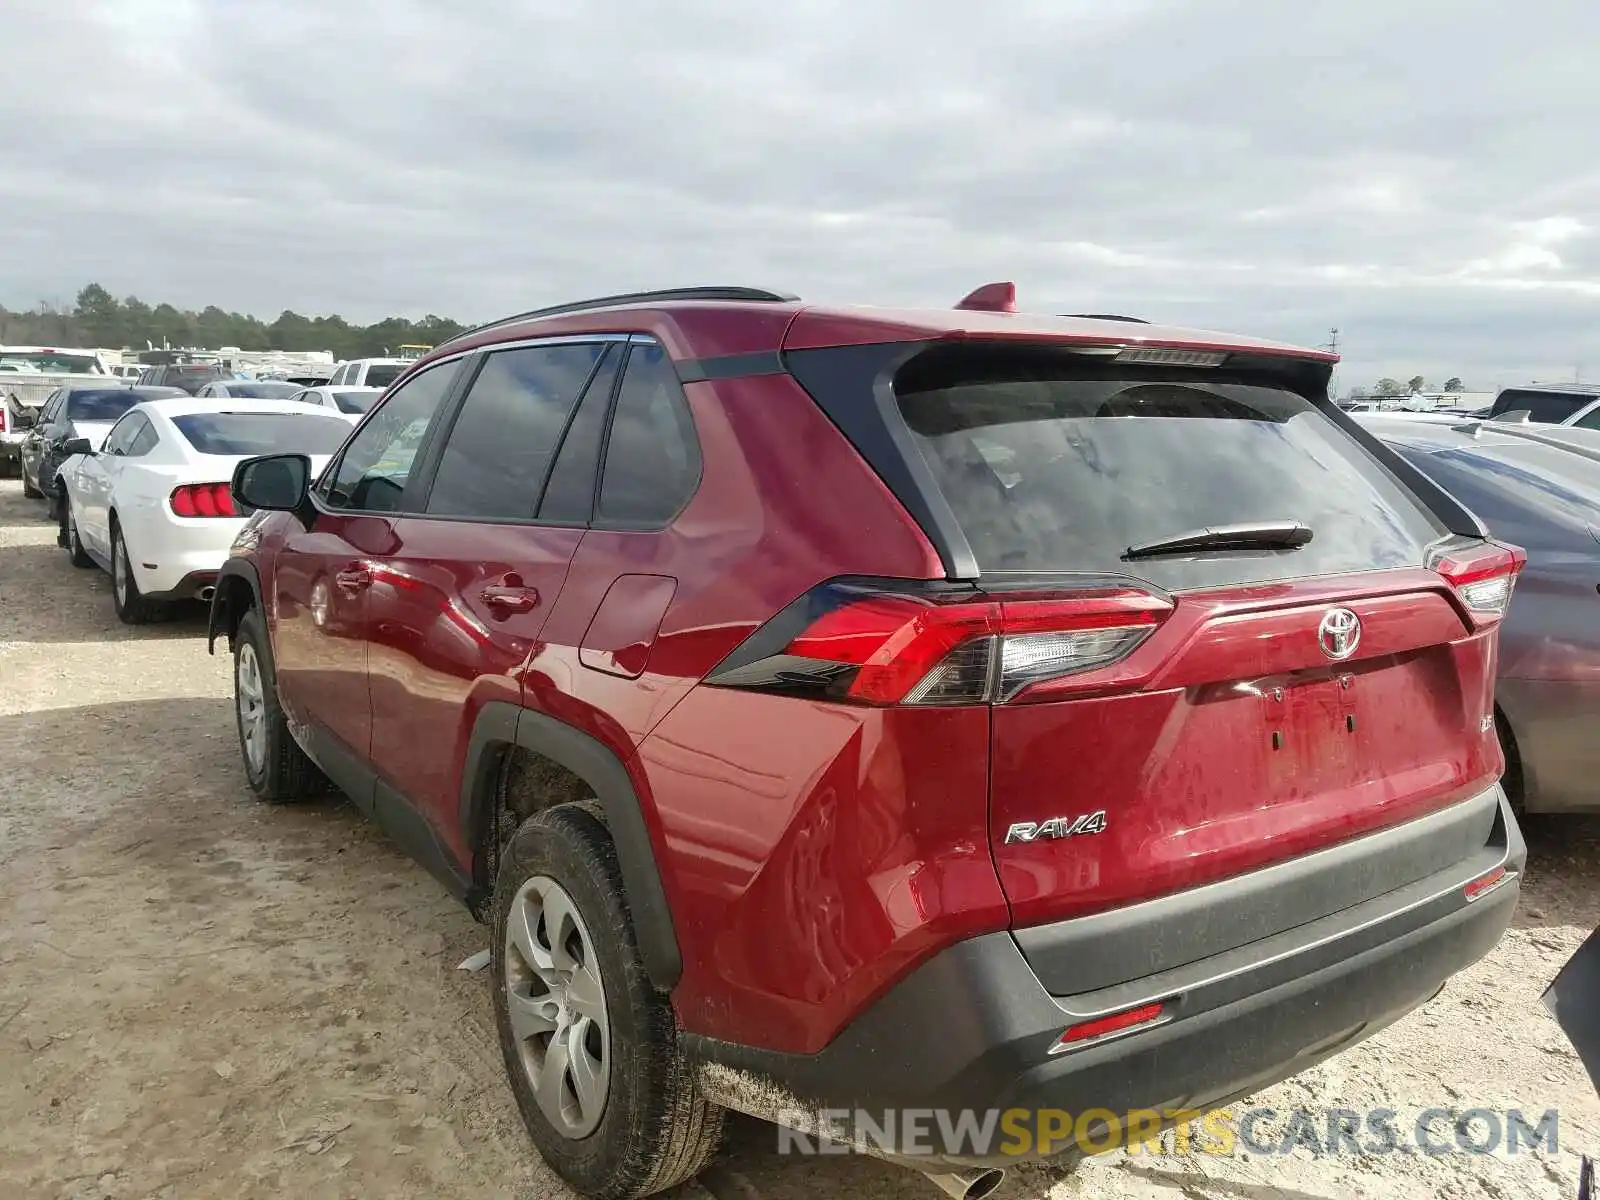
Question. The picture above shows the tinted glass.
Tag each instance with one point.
(381, 375)
(569, 494)
(652, 457)
(1547, 407)
(189, 378)
(372, 473)
(259, 390)
(500, 446)
(55, 362)
(122, 436)
(146, 440)
(105, 405)
(1589, 420)
(262, 432)
(352, 400)
(1055, 467)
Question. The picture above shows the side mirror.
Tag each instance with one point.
(277, 482)
(78, 445)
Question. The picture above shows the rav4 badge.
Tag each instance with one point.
(1057, 827)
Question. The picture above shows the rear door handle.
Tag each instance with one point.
(353, 580)
(509, 599)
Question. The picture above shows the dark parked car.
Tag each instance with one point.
(188, 378)
(1545, 498)
(1551, 404)
(854, 708)
(250, 389)
(86, 412)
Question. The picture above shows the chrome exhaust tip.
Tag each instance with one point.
(207, 592)
(968, 1185)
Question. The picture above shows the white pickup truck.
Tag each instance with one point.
(28, 376)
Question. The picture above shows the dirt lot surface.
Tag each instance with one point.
(203, 996)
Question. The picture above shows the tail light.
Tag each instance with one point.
(883, 644)
(1482, 576)
(203, 500)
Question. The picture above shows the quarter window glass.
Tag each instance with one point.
(653, 458)
(569, 496)
(500, 446)
(1591, 421)
(146, 439)
(372, 474)
(123, 434)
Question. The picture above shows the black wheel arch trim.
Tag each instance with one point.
(501, 726)
(233, 568)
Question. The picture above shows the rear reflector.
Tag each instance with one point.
(1485, 884)
(899, 645)
(1088, 1031)
(203, 500)
(1482, 576)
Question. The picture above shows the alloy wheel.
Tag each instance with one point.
(251, 700)
(557, 1006)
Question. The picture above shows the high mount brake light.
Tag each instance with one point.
(872, 646)
(1483, 576)
(203, 500)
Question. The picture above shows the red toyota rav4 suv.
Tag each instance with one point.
(846, 708)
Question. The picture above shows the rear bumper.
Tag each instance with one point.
(176, 557)
(972, 1029)
(1553, 721)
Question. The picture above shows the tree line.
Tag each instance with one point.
(1393, 387)
(99, 319)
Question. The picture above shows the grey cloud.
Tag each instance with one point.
(1416, 175)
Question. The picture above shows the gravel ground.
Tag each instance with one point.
(202, 996)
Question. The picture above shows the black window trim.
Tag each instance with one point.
(598, 522)
(427, 469)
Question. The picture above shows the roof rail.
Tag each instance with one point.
(1106, 317)
(665, 295)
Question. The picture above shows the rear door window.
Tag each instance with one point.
(381, 375)
(1059, 466)
(500, 446)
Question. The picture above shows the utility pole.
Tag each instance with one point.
(1332, 347)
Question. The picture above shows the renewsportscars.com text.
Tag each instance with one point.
(1041, 1133)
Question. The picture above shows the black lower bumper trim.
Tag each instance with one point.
(972, 1029)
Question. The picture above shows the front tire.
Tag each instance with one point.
(29, 489)
(590, 1046)
(278, 770)
(132, 608)
(70, 539)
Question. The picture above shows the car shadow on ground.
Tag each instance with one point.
(44, 598)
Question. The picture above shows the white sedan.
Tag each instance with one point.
(152, 505)
(349, 402)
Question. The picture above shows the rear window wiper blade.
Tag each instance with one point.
(1251, 535)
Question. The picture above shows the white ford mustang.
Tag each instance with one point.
(151, 504)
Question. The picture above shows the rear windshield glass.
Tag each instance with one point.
(263, 390)
(262, 433)
(1551, 408)
(100, 406)
(190, 378)
(354, 401)
(1056, 467)
(52, 361)
(381, 375)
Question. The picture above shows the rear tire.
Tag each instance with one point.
(70, 539)
(132, 608)
(645, 1127)
(278, 770)
(28, 489)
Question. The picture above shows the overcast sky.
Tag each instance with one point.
(1422, 174)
